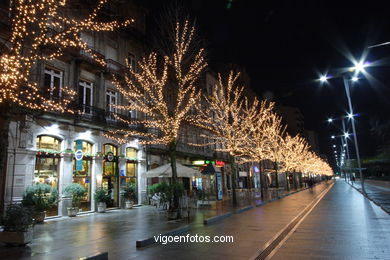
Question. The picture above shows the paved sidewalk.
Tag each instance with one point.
(344, 225)
(377, 191)
(115, 232)
(250, 229)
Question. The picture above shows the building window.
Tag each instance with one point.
(53, 83)
(112, 53)
(132, 113)
(111, 103)
(82, 171)
(110, 174)
(48, 143)
(47, 164)
(131, 168)
(131, 62)
(86, 96)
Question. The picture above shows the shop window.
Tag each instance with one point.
(110, 179)
(47, 165)
(131, 168)
(131, 153)
(82, 171)
(48, 142)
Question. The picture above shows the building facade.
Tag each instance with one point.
(60, 149)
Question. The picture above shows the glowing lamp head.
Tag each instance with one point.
(330, 120)
(323, 78)
(354, 78)
(346, 135)
(333, 137)
(350, 116)
(334, 145)
(359, 66)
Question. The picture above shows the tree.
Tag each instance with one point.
(226, 115)
(293, 148)
(164, 89)
(40, 31)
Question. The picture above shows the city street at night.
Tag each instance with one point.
(194, 129)
(343, 225)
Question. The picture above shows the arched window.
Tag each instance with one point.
(82, 170)
(47, 164)
(48, 142)
(110, 179)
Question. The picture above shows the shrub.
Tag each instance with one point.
(17, 218)
(76, 192)
(40, 197)
(130, 191)
(101, 195)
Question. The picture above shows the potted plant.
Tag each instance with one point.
(101, 197)
(129, 194)
(166, 192)
(17, 224)
(39, 198)
(76, 192)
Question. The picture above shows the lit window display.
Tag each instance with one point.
(110, 174)
(82, 169)
(47, 164)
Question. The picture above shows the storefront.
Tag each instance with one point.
(82, 170)
(110, 180)
(47, 164)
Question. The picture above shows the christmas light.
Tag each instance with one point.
(166, 103)
(39, 32)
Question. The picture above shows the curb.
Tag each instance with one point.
(216, 218)
(151, 240)
(238, 211)
(366, 196)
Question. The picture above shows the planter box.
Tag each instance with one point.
(101, 207)
(16, 238)
(72, 212)
(129, 204)
(40, 217)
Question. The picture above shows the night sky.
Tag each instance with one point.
(285, 44)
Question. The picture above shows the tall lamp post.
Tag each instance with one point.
(358, 68)
(346, 85)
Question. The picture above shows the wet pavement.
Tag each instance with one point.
(250, 230)
(377, 191)
(344, 225)
(115, 231)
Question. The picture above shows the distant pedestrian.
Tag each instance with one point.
(311, 183)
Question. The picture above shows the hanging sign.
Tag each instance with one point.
(110, 156)
(78, 155)
(242, 174)
(219, 163)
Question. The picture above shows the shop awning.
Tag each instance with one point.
(211, 169)
(166, 171)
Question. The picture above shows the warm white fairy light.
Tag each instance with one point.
(151, 91)
(40, 33)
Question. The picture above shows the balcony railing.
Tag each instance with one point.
(103, 117)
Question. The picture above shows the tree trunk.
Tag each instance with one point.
(287, 182)
(5, 120)
(172, 154)
(263, 183)
(233, 172)
(276, 174)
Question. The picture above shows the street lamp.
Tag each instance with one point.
(359, 67)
